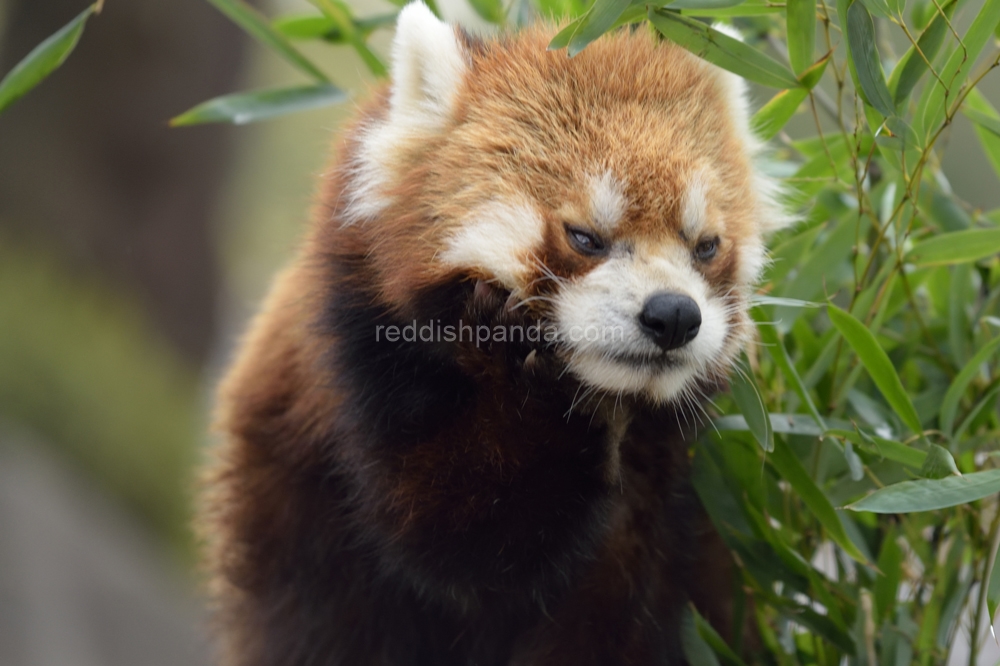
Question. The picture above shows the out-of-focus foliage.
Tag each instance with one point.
(81, 367)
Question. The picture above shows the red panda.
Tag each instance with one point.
(457, 431)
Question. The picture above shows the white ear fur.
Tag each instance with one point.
(428, 66)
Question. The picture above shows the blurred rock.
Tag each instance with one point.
(81, 584)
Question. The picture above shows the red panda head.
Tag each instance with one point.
(611, 197)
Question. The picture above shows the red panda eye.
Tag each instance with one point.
(706, 249)
(585, 242)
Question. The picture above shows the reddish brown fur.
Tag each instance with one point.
(439, 505)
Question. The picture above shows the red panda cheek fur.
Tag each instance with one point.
(398, 501)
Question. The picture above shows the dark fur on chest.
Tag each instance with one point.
(457, 508)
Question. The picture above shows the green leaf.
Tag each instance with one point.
(242, 108)
(338, 12)
(886, 448)
(776, 349)
(934, 101)
(43, 60)
(993, 589)
(771, 117)
(722, 50)
(877, 363)
(930, 494)
(746, 8)
(696, 650)
(912, 66)
(747, 397)
(956, 247)
(949, 406)
(984, 402)
(939, 464)
(861, 36)
(983, 120)
(704, 4)
(714, 640)
(597, 21)
(307, 27)
(990, 142)
(257, 26)
(801, 16)
(563, 37)
(785, 424)
(765, 299)
(490, 10)
(311, 26)
(890, 565)
(879, 8)
(790, 469)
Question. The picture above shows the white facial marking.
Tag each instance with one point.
(694, 213)
(498, 239)
(428, 67)
(607, 202)
(598, 320)
(771, 215)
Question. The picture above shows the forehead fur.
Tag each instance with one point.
(629, 117)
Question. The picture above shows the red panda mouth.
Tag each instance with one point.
(652, 362)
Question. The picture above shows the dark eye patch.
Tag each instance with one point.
(585, 242)
(706, 249)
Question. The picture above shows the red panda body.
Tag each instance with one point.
(438, 495)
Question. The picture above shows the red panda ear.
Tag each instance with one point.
(428, 66)
(428, 69)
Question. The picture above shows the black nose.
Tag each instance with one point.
(670, 320)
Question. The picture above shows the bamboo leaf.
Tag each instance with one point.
(771, 117)
(956, 247)
(785, 424)
(311, 26)
(930, 494)
(340, 14)
(745, 8)
(949, 405)
(747, 397)
(43, 59)
(912, 66)
(939, 464)
(879, 446)
(242, 108)
(988, 139)
(696, 650)
(790, 469)
(890, 561)
(861, 36)
(934, 100)
(983, 120)
(878, 365)
(777, 351)
(719, 49)
(490, 10)
(993, 589)
(704, 4)
(598, 20)
(564, 36)
(715, 641)
(258, 27)
(801, 15)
